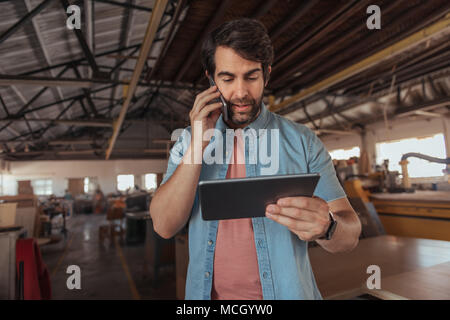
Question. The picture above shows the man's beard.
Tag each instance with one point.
(252, 114)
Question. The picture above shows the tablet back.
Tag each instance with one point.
(248, 197)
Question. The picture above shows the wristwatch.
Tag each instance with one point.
(331, 228)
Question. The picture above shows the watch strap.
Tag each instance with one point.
(333, 224)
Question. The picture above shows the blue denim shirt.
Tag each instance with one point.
(284, 268)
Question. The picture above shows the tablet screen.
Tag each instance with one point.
(248, 197)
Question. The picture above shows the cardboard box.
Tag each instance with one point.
(7, 214)
(24, 187)
(22, 200)
(25, 190)
(24, 183)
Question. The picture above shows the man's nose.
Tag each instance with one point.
(240, 89)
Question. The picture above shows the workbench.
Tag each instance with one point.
(425, 283)
(422, 214)
(403, 263)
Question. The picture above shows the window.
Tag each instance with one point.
(125, 181)
(344, 154)
(90, 184)
(8, 185)
(150, 181)
(42, 187)
(417, 168)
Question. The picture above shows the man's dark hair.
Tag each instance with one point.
(248, 37)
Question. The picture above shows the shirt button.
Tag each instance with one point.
(210, 242)
(206, 274)
(260, 243)
(265, 275)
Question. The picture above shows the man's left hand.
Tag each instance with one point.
(307, 217)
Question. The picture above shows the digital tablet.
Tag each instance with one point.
(248, 197)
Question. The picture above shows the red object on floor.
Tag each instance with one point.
(36, 281)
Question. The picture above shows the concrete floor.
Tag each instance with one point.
(108, 270)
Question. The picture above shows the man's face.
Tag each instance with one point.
(241, 83)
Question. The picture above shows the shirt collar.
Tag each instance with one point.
(260, 122)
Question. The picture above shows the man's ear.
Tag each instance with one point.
(269, 69)
(206, 73)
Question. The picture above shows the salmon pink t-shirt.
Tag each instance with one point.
(236, 274)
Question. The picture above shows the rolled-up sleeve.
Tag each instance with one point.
(176, 153)
(319, 161)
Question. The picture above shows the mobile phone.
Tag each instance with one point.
(222, 99)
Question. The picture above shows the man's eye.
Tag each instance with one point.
(253, 79)
(227, 80)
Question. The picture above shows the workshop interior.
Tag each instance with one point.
(92, 90)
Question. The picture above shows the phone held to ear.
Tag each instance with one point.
(222, 99)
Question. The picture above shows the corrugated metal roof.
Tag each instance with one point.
(314, 43)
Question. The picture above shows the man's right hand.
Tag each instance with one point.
(171, 205)
(203, 116)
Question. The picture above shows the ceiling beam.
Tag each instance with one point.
(6, 79)
(12, 80)
(89, 25)
(167, 39)
(150, 34)
(52, 124)
(122, 61)
(78, 61)
(398, 113)
(423, 107)
(51, 104)
(428, 114)
(5, 35)
(403, 112)
(24, 101)
(27, 104)
(18, 141)
(82, 123)
(146, 121)
(300, 65)
(125, 5)
(70, 142)
(440, 27)
(195, 50)
(85, 152)
(38, 134)
(80, 96)
(312, 34)
(84, 45)
(337, 132)
(263, 8)
(119, 56)
(87, 94)
(421, 62)
(5, 108)
(361, 48)
(293, 17)
(43, 48)
(125, 39)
